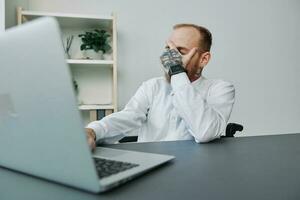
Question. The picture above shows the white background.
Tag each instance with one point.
(255, 46)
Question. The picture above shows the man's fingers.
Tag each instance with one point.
(92, 143)
(192, 53)
(187, 58)
(91, 138)
(171, 45)
(93, 146)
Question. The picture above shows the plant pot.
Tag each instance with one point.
(91, 54)
(107, 56)
(67, 56)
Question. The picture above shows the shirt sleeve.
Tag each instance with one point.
(207, 118)
(131, 117)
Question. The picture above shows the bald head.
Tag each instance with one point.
(204, 35)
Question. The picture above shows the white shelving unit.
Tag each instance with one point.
(96, 107)
(91, 62)
(96, 79)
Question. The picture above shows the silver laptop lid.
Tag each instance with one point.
(41, 132)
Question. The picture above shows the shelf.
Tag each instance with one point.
(90, 62)
(96, 107)
(96, 79)
(73, 20)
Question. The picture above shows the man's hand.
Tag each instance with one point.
(171, 56)
(91, 136)
(185, 58)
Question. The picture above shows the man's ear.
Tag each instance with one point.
(204, 59)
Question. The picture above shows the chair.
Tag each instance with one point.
(231, 129)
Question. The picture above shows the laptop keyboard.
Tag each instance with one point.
(106, 167)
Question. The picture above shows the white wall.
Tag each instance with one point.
(2, 15)
(256, 46)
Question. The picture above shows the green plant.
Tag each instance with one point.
(96, 40)
(68, 44)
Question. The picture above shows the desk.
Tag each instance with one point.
(263, 167)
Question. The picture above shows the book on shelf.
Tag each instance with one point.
(108, 112)
(93, 115)
(99, 114)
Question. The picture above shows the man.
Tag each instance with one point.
(183, 105)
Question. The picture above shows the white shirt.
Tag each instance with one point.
(182, 110)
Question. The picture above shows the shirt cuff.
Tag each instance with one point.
(99, 128)
(179, 80)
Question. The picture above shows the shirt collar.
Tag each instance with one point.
(199, 80)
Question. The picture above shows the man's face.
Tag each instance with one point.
(185, 39)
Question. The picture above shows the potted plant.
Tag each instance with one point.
(95, 43)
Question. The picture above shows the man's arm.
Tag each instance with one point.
(120, 123)
(206, 119)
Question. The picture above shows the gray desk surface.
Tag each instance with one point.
(265, 167)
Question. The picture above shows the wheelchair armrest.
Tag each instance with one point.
(232, 128)
(128, 139)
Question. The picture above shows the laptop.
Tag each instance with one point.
(41, 130)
